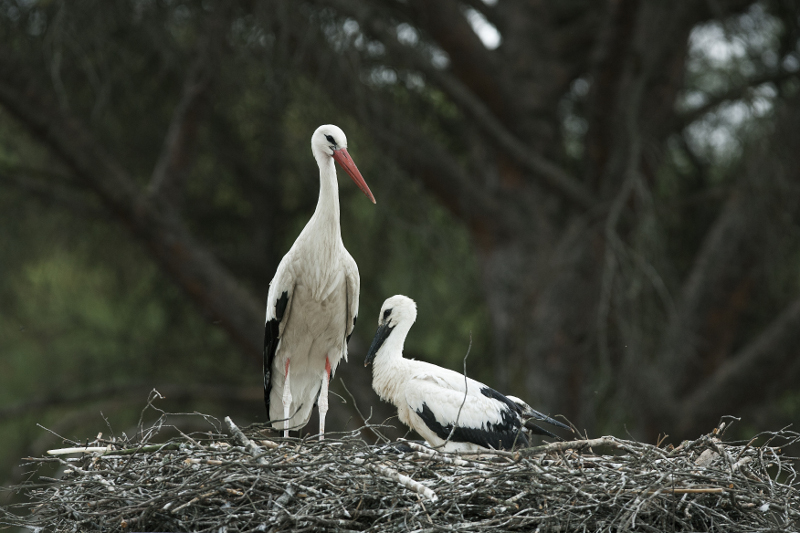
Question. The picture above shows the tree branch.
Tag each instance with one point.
(170, 169)
(442, 174)
(470, 61)
(715, 290)
(522, 153)
(736, 92)
(747, 373)
(207, 282)
(57, 193)
(606, 70)
(721, 258)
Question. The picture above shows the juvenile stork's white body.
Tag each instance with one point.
(313, 300)
(433, 400)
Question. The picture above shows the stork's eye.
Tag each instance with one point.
(330, 139)
(387, 313)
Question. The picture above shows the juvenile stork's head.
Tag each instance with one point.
(329, 140)
(398, 312)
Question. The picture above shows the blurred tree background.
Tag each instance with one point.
(603, 198)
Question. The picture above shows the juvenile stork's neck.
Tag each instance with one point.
(326, 216)
(389, 364)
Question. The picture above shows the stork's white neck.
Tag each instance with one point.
(389, 363)
(327, 213)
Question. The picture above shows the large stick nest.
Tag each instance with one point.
(244, 481)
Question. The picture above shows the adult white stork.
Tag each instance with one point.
(313, 300)
(433, 400)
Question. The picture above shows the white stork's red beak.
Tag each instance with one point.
(343, 158)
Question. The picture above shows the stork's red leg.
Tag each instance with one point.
(322, 403)
(286, 399)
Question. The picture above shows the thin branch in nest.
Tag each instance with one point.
(371, 427)
(466, 392)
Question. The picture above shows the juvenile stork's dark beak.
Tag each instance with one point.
(384, 330)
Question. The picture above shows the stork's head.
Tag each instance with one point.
(397, 312)
(331, 141)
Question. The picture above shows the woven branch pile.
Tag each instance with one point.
(229, 480)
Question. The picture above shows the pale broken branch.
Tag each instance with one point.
(82, 449)
(251, 446)
(401, 479)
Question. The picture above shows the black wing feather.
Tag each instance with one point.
(354, 328)
(502, 436)
(271, 339)
(527, 416)
(500, 397)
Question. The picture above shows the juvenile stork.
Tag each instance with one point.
(313, 300)
(433, 400)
